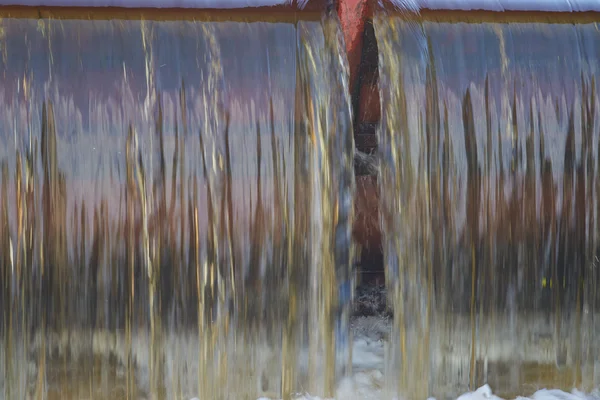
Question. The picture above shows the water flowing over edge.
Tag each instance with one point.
(136, 184)
(488, 199)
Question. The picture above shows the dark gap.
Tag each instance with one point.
(370, 264)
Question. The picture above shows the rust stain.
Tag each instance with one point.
(353, 14)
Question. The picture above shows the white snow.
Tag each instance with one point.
(501, 5)
(366, 387)
(226, 4)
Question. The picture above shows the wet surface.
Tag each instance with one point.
(177, 202)
(489, 194)
(158, 178)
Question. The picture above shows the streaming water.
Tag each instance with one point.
(176, 202)
(490, 195)
(175, 209)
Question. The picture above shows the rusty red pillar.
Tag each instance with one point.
(353, 15)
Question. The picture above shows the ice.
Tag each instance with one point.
(367, 380)
(483, 393)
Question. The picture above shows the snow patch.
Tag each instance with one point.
(500, 5)
(226, 4)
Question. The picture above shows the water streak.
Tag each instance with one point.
(157, 178)
(489, 197)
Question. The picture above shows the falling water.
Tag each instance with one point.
(490, 195)
(175, 208)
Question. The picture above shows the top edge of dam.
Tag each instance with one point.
(499, 11)
(174, 10)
